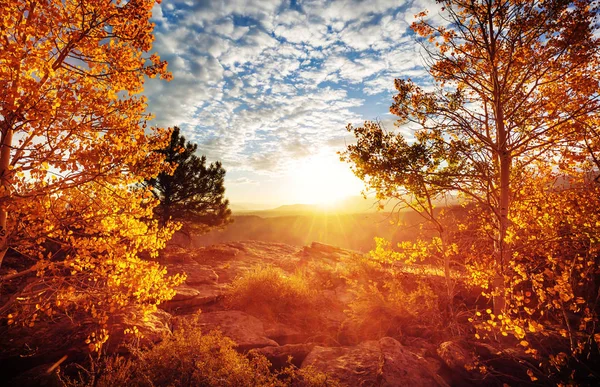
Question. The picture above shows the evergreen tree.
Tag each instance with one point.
(194, 193)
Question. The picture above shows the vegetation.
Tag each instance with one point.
(272, 294)
(502, 167)
(507, 129)
(192, 358)
(74, 144)
(193, 193)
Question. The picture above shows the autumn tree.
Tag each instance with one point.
(407, 173)
(74, 143)
(194, 193)
(513, 83)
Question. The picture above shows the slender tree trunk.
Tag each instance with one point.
(446, 256)
(5, 185)
(504, 203)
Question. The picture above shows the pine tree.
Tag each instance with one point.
(194, 193)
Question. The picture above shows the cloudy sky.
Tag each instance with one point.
(267, 87)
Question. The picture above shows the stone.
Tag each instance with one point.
(454, 355)
(279, 356)
(383, 362)
(285, 334)
(247, 331)
(196, 274)
(152, 327)
(189, 299)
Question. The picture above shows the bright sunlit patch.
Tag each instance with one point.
(323, 179)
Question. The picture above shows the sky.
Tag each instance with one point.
(268, 87)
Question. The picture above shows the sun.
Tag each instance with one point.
(323, 179)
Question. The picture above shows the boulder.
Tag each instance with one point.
(454, 355)
(285, 334)
(196, 274)
(23, 348)
(247, 331)
(189, 298)
(152, 328)
(44, 375)
(383, 362)
(281, 357)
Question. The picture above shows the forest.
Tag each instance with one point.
(490, 275)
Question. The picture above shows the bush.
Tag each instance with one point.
(272, 294)
(189, 358)
(380, 310)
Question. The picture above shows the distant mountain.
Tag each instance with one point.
(248, 207)
(349, 205)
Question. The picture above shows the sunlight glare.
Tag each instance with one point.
(324, 180)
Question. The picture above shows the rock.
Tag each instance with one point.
(247, 331)
(278, 356)
(38, 377)
(184, 293)
(24, 348)
(285, 334)
(454, 355)
(384, 362)
(420, 346)
(196, 274)
(152, 327)
(192, 298)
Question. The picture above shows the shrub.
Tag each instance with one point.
(380, 310)
(189, 358)
(272, 294)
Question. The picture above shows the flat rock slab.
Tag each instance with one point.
(247, 331)
(280, 357)
(285, 334)
(383, 362)
(153, 327)
(190, 298)
(196, 274)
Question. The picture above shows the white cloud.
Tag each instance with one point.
(257, 84)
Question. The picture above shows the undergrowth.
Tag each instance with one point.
(190, 358)
(272, 294)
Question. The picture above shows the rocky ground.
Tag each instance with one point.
(416, 357)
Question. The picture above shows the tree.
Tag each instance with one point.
(74, 143)
(194, 193)
(514, 81)
(405, 172)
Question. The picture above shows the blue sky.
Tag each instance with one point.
(267, 87)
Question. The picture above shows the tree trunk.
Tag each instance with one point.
(447, 274)
(504, 203)
(5, 184)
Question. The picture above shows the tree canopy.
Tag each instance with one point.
(510, 126)
(194, 193)
(74, 142)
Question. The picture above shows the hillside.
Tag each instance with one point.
(282, 301)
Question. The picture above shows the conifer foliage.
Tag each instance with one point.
(194, 193)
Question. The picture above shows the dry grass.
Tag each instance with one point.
(190, 358)
(272, 294)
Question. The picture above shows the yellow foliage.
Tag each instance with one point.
(76, 147)
(271, 293)
(190, 358)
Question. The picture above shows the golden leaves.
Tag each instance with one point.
(70, 72)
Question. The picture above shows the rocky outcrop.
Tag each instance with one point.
(454, 355)
(384, 362)
(152, 328)
(189, 299)
(247, 331)
(281, 357)
(25, 348)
